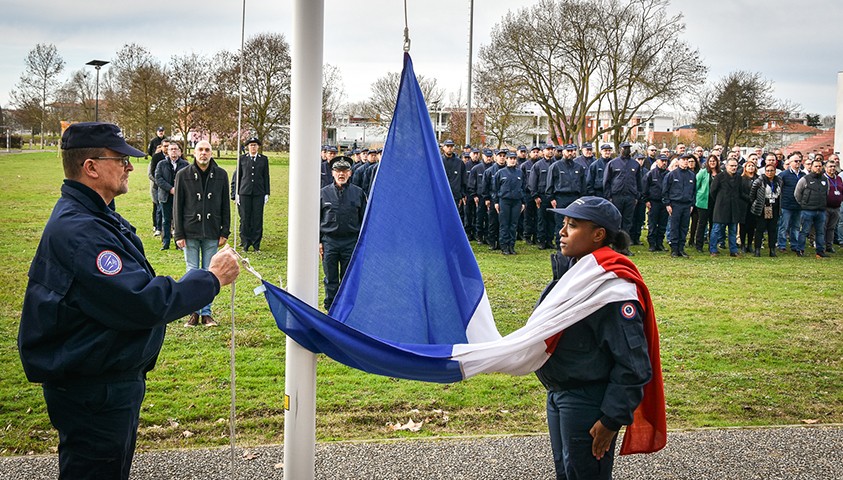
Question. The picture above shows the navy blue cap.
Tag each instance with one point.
(559, 148)
(448, 142)
(606, 146)
(511, 154)
(160, 128)
(594, 209)
(503, 150)
(662, 157)
(535, 147)
(341, 162)
(688, 155)
(549, 145)
(488, 152)
(380, 150)
(625, 144)
(467, 146)
(466, 155)
(365, 150)
(253, 140)
(475, 150)
(522, 148)
(330, 148)
(570, 146)
(97, 135)
(587, 145)
(355, 151)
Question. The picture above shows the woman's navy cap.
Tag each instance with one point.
(594, 209)
(97, 135)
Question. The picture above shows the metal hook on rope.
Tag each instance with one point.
(406, 30)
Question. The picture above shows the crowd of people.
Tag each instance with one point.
(709, 200)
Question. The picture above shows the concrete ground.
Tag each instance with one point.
(812, 453)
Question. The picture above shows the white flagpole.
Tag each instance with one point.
(303, 231)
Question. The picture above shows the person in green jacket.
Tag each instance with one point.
(704, 176)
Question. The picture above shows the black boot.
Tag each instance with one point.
(757, 252)
(773, 252)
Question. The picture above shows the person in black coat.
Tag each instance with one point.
(765, 205)
(730, 201)
(652, 195)
(746, 226)
(250, 191)
(201, 216)
(165, 177)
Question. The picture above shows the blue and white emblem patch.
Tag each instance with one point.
(109, 263)
(628, 310)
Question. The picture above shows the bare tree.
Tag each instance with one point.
(381, 103)
(191, 79)
(220, 113)
(502, 102)
(736, 106)
(39, 80)
(572, 57)
(333, 93)
(266, 86)
(139, 93)
(646, 64)
(75, 100)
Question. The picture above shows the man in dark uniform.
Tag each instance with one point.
(160, 154)
(640, 214)
(594, 176)
(678, 195)
(622, 185)
(94, 313)
(481, 217)
(251, 194)
(508, 195)
(155, 142)
(529, 204)
(341, 215)
(165, 177)
(469, 206)
(493, 229)
(330, 153)
(587, 156)
(537, 184)
(455, 171)
(565, 183)
(651, 192)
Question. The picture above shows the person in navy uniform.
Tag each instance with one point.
(508, 195)
(594, 176)
(455, 171)
(94, 313)
(640, 214)
(529, 205)
(165, 177)
(250, 192)
(565, 183)
(596, 374)
(493, 223)
(343, 205)
(537, 185)
(330, 152)
(651, 192)
(160, 154)
(469, 205)
(678, 195)
(622, 185)
(475, 178)
(586, 157)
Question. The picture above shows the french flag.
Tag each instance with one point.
(413, 305)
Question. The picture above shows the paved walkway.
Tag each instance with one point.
(813, 453)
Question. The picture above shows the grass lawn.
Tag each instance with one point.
(745, 341)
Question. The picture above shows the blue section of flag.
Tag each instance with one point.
(413, 283)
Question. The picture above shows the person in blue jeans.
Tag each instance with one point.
(812, 193)
(202, 217)
(789, 221)
(730, 199)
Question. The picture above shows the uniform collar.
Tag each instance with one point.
(86, 196)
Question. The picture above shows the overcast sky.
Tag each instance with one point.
(796, 44)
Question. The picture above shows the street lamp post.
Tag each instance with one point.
(97, 64)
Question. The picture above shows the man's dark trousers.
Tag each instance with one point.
(97, 425)
(336, 253)
(251, 220)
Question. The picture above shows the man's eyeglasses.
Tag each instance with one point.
(124, 159)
